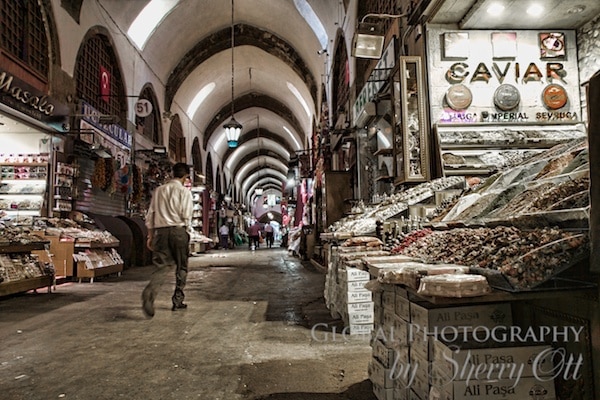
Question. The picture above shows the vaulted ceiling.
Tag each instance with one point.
(278, 65)
(277, 74)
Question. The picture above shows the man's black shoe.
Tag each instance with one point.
(179, 307)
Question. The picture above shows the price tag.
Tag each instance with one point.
(143, 108)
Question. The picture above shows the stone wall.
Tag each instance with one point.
(588, 43)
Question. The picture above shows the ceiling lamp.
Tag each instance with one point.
(369, 38)
(233, 129)
(368, 41)
(258, 191)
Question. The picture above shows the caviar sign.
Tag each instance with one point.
(502, 76)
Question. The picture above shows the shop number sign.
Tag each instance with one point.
(143, 108)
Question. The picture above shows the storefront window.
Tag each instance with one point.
(23, 35)
(99, 78)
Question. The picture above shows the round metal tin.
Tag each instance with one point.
(506, 97)
(554, 96)
(459, 97)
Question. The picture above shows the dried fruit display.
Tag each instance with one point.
(99, 177)
(564, 190)
(526, 258)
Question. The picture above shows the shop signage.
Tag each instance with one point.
(451, 116)
(26, 99)
(114, 131)
(495, 79)
(376, 80)
(459, 72)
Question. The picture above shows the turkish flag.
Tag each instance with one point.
(104, 84)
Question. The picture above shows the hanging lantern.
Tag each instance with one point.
(233, 130)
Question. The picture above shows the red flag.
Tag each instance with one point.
(104, 84)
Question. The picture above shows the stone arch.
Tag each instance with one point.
(97, 45)
(197, 158)
(245, 35)
(251, 100)
(150, 126)
(176, 141)
(210, 178)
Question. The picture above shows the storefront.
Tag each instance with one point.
(38, 185)
(497, 117)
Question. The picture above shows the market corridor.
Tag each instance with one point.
(245, 335)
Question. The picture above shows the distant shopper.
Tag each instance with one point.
(254, 234)
(168, 220)
(269, 234)
(224, 233)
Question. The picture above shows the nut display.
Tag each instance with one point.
(526, 258)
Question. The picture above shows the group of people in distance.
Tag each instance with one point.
(255, 233)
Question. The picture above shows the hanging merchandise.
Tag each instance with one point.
(123, 179)
(99, 177)
(110, 175)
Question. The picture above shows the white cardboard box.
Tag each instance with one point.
(383, 394)
(525, 389)
(457, 362)
(420, 383)
(380, 375)
(388, 299)
(359, 296)
(357, 286)
(361, 317)
(360, 329)
(402, 307)
(367, 306)
(355, 274)
(394, 329)
(401, 394)
(425, 315)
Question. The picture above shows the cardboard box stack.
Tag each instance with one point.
(412, 360)
(387, 368)
(508, 372)
(345, 293)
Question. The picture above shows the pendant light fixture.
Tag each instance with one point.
(233, 129)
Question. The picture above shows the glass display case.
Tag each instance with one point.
(412, 146)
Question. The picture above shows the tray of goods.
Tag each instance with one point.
(411, 273)
(454, 285)
(537, 266)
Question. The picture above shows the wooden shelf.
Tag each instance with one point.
(95, 245)
(25, 285)
(83, 272)
(24, 164)
(23, 248)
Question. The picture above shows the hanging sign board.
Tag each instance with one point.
(113, 131)
(143, 108)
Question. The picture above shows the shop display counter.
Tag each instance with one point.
(94, 259)
(25, 276)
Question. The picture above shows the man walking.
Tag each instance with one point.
(224, 233)
(168, 219)
(269, 234)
